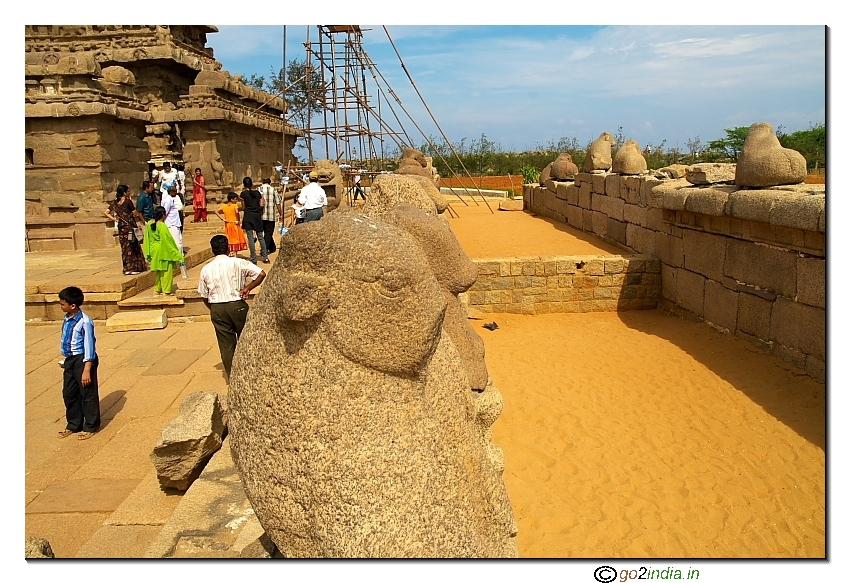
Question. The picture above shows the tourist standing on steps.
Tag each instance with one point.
(272, 209)
(224, 283)
(162, 252)
(252, 219)
(166, 178)
(171, 204)
(313, 198)
(145, 202)
(79, 380)
(181, 193)
(199, 197)
(122, 211)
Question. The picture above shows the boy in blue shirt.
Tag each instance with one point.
(79, 386)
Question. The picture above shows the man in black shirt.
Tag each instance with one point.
(252, 219)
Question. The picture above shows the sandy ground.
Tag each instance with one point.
(482, 233)
(638, 434)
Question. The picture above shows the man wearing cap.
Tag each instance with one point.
(313, 198)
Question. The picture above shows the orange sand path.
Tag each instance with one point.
(511, 233)
(637, 434)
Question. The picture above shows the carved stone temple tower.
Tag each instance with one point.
(107, 104)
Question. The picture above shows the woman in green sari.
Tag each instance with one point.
(161, 252)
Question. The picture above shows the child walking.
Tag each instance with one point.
(79, 381)
(161, 252)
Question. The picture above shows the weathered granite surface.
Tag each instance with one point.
(764, 162)
(362, 440)
(599, 154)
(189, 440)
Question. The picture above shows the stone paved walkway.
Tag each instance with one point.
(73, 488)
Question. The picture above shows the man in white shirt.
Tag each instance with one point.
(172, 207)
(224, 284)
(313, 198)
(166, 177)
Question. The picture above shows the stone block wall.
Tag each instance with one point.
(241, 150)
(574, 283)
(747, 262)
(73, 167)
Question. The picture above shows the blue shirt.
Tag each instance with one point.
(78, 337)
(145, 205)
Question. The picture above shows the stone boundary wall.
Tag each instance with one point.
(558, 284)
(747, 262)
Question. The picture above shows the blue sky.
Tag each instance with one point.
(526, 85)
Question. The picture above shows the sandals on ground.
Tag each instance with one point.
(65, 433)
(85, 435)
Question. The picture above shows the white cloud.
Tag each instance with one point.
(581, 53)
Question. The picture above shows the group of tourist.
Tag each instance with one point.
(224, 283)
(249, 218)
(261, 210)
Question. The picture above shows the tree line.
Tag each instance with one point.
(483, 157)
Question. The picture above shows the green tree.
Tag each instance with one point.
(811, 143)
(732, 144)
(295, 92)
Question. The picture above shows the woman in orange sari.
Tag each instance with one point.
(199, 198)
(229, 213)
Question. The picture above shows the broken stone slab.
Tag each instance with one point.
(710, 173)
(510, 204)
(37, 548)
(673, 171)
(214, 519)
(137, 320)
(189, 440)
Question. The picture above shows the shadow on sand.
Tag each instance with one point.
(785, 392)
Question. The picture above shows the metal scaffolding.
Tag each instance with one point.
(352, 128)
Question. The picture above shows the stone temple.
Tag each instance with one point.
(105, 105)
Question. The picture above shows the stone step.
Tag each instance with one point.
(137, 320)
(150, 301)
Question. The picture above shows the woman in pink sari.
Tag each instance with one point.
(199, 198)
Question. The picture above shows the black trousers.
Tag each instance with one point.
(268, 235)
(358, 190)
(82, 404)
(228, 319)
